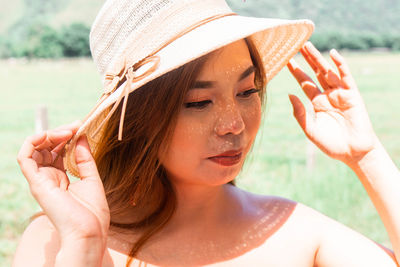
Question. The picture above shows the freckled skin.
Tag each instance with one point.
(229, 122)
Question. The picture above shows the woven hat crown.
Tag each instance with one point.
(132, 30)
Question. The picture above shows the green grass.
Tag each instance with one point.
(70, 88)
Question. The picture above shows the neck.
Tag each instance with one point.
(195, 203)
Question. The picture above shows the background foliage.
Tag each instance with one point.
(42, 28)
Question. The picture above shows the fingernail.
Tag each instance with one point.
(290, 65)
(334, 52)
(294, 63)
(310, 47)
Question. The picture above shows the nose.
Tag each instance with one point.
(229, 121)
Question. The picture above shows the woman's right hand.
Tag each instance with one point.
(79, 210)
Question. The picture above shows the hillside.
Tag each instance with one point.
(10, 12)
(55, 12)
(378, 16)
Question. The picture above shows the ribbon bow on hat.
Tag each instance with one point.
(113, 80)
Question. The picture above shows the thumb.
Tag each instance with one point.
(304, 119)
(84, 160)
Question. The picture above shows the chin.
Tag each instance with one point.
(221, 176)
(208, 173)
(208, 177)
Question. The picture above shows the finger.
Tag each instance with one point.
(344, 70)
(320, 76)
(327, 77)
(58, 154)
(316, 59)
(59, 149)
(47, 158)
(58, 162)
(43, 157)
(342, 99)
(306, 83)
(86, 165)
(308, 59)
(37, 156)
(304, 118)
(73, 126)
(333, 80)
(54, 138)
(64, 182)
(27, 164)
(323, 82)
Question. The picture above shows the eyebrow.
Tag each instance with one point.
(208, 84)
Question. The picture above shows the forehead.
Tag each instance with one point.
(229, 60)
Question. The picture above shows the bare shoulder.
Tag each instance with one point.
(333, 243)
(330, 242)
(39, 244)
(339, 245)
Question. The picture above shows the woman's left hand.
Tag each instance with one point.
(339, 125)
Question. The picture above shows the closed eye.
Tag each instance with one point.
(198, 105)
(248, 93)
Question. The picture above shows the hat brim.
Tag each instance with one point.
(276, 40)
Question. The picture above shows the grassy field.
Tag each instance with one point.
(278, 163)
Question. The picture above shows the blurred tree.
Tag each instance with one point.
(39, 40)
(75, 40)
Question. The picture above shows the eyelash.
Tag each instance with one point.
(248, 93)
(203, 104)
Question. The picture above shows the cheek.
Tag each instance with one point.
(187, 142)
(190, 132)
(252, 116)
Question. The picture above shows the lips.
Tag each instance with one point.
(228, 158)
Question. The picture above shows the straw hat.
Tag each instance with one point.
(135, 41)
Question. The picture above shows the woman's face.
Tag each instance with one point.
(218, 122)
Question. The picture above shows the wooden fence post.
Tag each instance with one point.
(41, 121)
(310, 156)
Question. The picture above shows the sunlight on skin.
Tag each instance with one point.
(270, 218)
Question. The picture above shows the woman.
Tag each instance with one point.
(157, 167)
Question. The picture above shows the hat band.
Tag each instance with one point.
(113, 81)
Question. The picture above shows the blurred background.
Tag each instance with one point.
(48, 79)
(59, 28)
